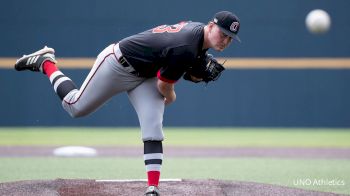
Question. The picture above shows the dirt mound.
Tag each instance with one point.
(70, 187)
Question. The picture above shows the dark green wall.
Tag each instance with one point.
(251, 97)
(273, 28)
(279, 98)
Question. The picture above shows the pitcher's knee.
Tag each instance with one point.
(76, 113)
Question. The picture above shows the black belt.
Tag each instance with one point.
(125, 63)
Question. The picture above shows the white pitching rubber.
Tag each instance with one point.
(141, 180)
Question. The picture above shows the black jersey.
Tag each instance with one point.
(166, 51)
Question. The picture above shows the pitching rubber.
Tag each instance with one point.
(140, 180)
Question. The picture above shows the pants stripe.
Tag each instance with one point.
(82, 88)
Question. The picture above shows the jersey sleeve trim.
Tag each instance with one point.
(160, 77)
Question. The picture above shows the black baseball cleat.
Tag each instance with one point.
(152, 191)
(34, 61)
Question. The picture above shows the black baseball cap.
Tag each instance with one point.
(228, 23)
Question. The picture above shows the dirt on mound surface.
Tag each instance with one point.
(70, 187)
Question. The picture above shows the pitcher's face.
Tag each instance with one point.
(218, 39)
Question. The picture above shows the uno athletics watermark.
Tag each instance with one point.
(318, 182)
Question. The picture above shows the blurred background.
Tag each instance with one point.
(269, 96)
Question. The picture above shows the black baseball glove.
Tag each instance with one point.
(208, 70)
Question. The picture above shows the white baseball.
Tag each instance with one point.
(318, 21)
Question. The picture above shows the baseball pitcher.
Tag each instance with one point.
(146, 66)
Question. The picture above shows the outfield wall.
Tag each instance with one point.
(274, 96)
(292, 98)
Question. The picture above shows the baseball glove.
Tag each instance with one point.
(206, 71)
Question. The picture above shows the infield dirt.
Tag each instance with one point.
(80, 187)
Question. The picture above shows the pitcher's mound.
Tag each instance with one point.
(70, 187)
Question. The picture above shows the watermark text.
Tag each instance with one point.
(318, 182)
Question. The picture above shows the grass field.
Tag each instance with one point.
(219, 137)
(280, 171)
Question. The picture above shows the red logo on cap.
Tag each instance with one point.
(234, 26)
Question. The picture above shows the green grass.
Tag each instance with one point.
(264, 170)
(219, 137)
